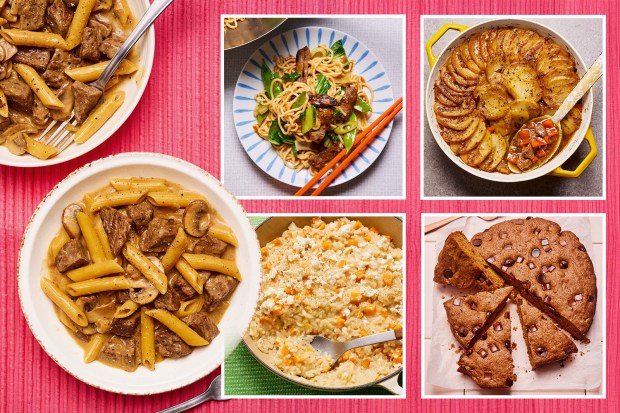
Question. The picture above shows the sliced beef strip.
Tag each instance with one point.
(170, 301)
(54, 74)
(110, 45)
(117, 227)
(72, 255)
(102, 25)
(140, 215)
(159, 234)
(322, 101)
(181, 286)
(168, 344)
(31, 13)
(202, 324)
(125, 327)
(40, 114)
(319, 160)
(217, 288)
(524, 161)
(19, 93)
(325, 116)
(120, 351)
(65, 94)
(347, 102)
(33, 56)
(301, 62)
(86, 98)
(91, 41)
(59, 17)
(209, 245)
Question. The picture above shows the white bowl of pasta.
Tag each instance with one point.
(45, 317)
(53, 96)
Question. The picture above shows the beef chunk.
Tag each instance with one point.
(202, 324)
(347, 102)
(125, 327)
(168, 344)
(40, 114)
(182, 287)
(120, 351)
(59, 17)
(210, 246)
(217, 288)
(91, 40)
(19, 93)
(71, 3)
(117, 226)
(72, 255)
(322, 101)
(54, 74)
(33, 56)
(170, 301)
(31, 13)
(159, 234)
(102, 25)
(140, 215)
(302, 60)
(7, 51)
(122, 296)
(321, 159)
(110, 45)
(86, 98)
(325, 116)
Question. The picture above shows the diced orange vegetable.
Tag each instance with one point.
(358, 313)
(326, 245)
(365, 363)
(289, 290)
(284, 350)
(398, 360)
(370, 309)
(384, 312)
(277, 241)
(264, 251)
(541, 152)
(388, 279)
(375, 230)
(512, 158)
(359, 275)
(345, 356)
(357, 225)
(342, 263)
(340, 322)
(524, 133)
(356, 297)
(552, 132)
(277, 310)
(491, 129)
(353, 242)
(548, 123)
(367, 238)
(535, 143)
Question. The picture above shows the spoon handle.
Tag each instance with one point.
(594, 72)
(375, 339)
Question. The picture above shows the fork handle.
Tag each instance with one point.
(375, 339)
(147, 20)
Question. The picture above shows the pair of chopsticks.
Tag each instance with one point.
(362, 141)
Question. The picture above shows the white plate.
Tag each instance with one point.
(134, 87)
(250, 83)
(52, 335)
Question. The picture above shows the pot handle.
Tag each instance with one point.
(584, 164)
(392, 385)
(435, 38)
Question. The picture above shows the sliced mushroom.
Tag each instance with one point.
(156, 262)
(17, 145)
(196, 218)
(69, 220)
(142, 291)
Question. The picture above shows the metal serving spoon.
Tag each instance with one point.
(337, 348)
(587, 81)
(213, 392)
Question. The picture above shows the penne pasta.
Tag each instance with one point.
(99, 116)
(79, 22)
(148, 184)
(176, 249)
(4, 106)
(211, 263)
(190, 306)
(172, 199)
(64, 302)
(97, 285)
(223, 233)
(57, 243)
(103, 240)
(94, 347)
(147, 339)
(38, 86)
(34, 39)
(126, 309)
(39, 149)
(99, 269)
(190, 275)
(177, 326)
(91, 73)
(90, 237)
(122, 11)
(119, 198)
(146, 268)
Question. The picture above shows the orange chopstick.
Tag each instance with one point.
(372, 131)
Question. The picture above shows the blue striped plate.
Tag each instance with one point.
(250, 83)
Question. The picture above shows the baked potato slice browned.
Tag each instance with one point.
(500, 146)
(457, 136)
(493, 105)
(495, 70)
(522, 82)
(523, 110)
(460, 68)
(503, 126)
(476, 156)
(475, 53)
(474, 139)
(449, 80)
(454, 111)
(456, 97)
(467, 59)
(531, 49)
(457, 123)
(571, 122)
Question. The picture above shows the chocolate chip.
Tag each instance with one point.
(545, 242)
(535, 253)
(541, 351)
(463, 331)
(563, 243)
(551, 268)
(519, 259)
(507, 345)
(475, 329)
(483, 336)
(457, 301)
(590, 298)
(477, 242)
(503, 234)
(568, 351)
(491, 259)
(508, 246)
(578, 297)
(537, 231)
(581, 248)
(493, 348)
(519, 222)
(488, 313)
(532, 328)
(528, 284)
(447, 273)
(483, 353)
(497, 327)
(563, 264)
(531, 265)
(541, 278)
(509, 262)
(509, 382)
(507, 314)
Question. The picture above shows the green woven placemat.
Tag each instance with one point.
(246, 376)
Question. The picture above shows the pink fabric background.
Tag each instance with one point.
(179, 115)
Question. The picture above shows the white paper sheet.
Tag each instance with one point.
(580, 371)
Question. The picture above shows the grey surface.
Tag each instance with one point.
(443, 178)
(383, 36)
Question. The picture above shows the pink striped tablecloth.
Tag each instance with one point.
(180, 115)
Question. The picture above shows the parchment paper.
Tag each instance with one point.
(580, 371)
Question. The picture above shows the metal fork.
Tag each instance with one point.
(213, 392)
(61, 137)
(337, 348)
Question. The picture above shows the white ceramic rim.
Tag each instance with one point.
(559, 159)
(147, 54)
(184, 371)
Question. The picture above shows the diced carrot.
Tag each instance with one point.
(512, 158)
(398, 360)
(345, 356)
(367, 238)
(359, 275)
(548, 123)
(264, 251)
(289, 290)
(284, 350)
(388, 279)
(358, 313)
(353, 242)
(340, 322)
(277, 310)
(357, 225)
(384, 312)
(375, 230)
(491, 129)
(267, 266)
(355, 297)
(540, 153)
(341, 263)
(336, 290)
(365, 363)
(277, 241)
(326, 245)
(535, 143)
(370, 309)
(524, 133)
(266, 320)
(552, 132)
